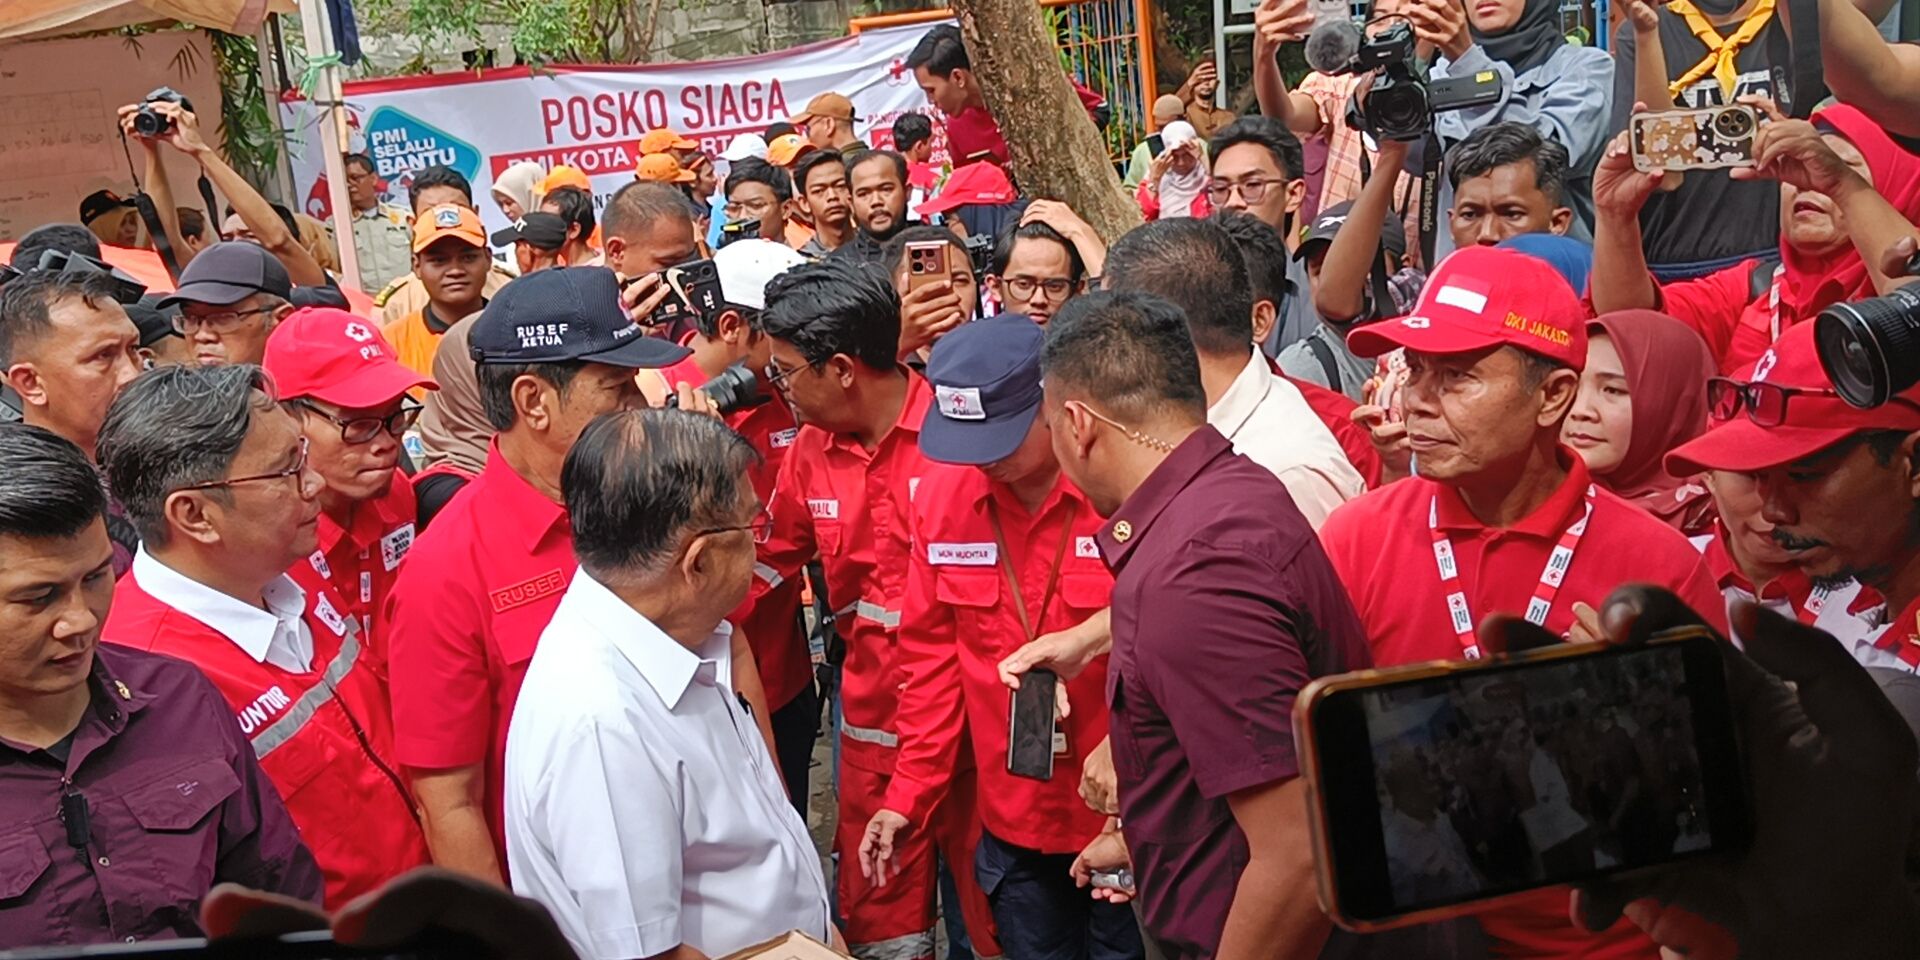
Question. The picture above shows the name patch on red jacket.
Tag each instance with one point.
(527, 591)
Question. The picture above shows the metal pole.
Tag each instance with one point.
(334, 142)
(1219, 48)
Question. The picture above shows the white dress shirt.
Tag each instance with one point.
(277, 635)
(642, 807)
(1268, 420)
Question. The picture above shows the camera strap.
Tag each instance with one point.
(1798, 82)
(1430, 155)
(1013, 581)
(150, 215)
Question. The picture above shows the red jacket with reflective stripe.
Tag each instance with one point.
(325, 737)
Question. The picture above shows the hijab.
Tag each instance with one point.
(453, 427)
(1813, 282)
(521, 184)
(1178, 190)
(1667, 367)
(1530, 41)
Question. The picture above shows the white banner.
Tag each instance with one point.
(593, 117)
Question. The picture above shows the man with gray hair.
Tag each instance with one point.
(214, 474)
(642, 805)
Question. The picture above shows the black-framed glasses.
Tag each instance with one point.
(1023, 288)
(776, 377)
(1765, 403)
(358, 430)
(226, 322)
(1252, 191)
(761, 526)
(299, 466)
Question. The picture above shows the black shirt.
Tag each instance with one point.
(1712, 219)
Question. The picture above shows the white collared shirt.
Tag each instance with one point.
(277, 635)
(642, 807)
(1268, 420)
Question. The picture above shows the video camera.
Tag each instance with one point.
(1402, 102)
(1871, 348)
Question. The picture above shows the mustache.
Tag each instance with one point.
(1791, 542)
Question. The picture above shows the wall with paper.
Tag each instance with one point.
(58, 138)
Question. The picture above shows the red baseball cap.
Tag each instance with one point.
(332, 356)
(974, 183)
(1482, 297)
(1812, 415)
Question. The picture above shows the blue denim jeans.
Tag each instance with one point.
(1042, 915)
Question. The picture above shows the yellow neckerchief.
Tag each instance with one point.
(1720, 51)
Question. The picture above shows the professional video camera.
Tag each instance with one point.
(735, 389)
(152, 124)
(1871, 348)
(1402, 101)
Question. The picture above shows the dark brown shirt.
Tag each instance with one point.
(1224, 607)
(175, 803)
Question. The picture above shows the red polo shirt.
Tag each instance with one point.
(466, 612)
(959, 622)
(848, 505)
(1383, 548)
(360, 561)
(974, 129)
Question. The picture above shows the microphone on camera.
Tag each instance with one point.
(1333, 44)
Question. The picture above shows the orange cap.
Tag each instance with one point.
(787, 149)
(826, 105)
(564, 176)
(447, 220)
(661, 139)
(662, 167)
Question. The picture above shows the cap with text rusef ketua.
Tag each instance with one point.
(335, 357)
(1480, 297)
(1815, 416)
(562, 314)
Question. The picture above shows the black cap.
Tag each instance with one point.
(562, 314)
(229, 272)
(154, 322)
(1393, 234)
(100, 202)
(548, 231)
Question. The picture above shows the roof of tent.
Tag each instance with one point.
(40, 19)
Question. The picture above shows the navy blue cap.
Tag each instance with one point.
(986, 390)
(563, 314)
(229, 272)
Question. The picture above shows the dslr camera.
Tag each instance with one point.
(1402, 102)
(153, 124)
(1871, 348)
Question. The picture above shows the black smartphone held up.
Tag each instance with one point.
(1030, 726)
(695, 291)
(310, 945)
(1156, 145)
(1440, 785)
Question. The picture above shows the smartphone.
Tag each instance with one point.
(1156, 145)
(309, 945)
(693, 290)
(1438, 786)
(1030, 726)
(926, 263)
(1708, 139)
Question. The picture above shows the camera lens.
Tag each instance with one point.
(148, 123)
(1733, 123)
(1397, 111)
(1870, 348)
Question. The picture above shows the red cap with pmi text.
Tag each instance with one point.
(982, 183)
(1810, 414)
(335, 357)
(1482, 297)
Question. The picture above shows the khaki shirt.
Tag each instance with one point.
(383, 238)
(406, 294)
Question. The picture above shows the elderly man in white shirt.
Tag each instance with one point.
(1198, 266)
(642, 806)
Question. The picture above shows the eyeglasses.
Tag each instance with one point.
(776, 377)
(761, 526)
(299, 466)
(357, 430)
(1023, 288)
(222, 323)
(1764, 403)
(1252, 191)
(756, 207)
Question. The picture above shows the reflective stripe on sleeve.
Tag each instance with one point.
(877, 613)
(868, 735)
(913, 946)
(768, 575)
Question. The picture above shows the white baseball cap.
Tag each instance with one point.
(745, 145)
(747, 266)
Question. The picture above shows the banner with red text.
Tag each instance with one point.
(593, 117)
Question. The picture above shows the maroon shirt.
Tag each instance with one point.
(176, 803)
(1224, 607)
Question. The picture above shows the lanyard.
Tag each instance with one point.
(1013, 582)
(1543, 593)
(1721, 51)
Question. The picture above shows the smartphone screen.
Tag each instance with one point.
(1476, 783)
(1156, 145)
(1030, 726)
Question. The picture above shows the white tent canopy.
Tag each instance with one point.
(23, 19)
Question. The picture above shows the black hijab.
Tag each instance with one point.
(1530, 41)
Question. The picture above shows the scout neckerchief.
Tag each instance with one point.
(1543, 593)
(1013, 582)
(1721, 51)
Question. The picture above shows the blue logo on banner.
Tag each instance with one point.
(401, 144)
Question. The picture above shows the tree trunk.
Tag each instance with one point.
(1056, 152)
